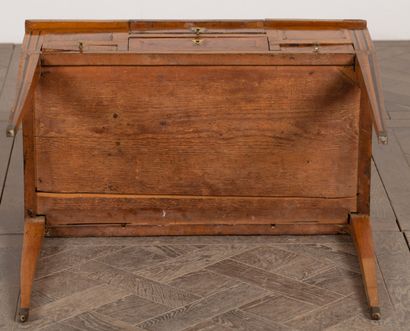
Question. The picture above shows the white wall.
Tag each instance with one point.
(386, 19)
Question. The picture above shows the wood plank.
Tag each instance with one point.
(164, 151)
(200, 45)
(277, 308)
(338, 280)
(76, 26)
(239, 320)
(110, 230)
(162, 210)
(395, 174)
(202, 310)
(91, 321)
(153, 291)
(28, 76)
(73, 26)
(69, 258)
(329, 315)
(65, 243)
(190, 262)
(131, 309)
(259, 96)
(206, 59)
(230, 167)
(75, 304)
(203, 282)
(209, 325)
(58, 286)
(283, 285)
(342, 254)
(282, 262)
(135, 258)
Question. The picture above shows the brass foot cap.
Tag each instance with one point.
(10, 132)
(375, 313)
(22, 315)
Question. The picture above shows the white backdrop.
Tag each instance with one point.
(386, 19)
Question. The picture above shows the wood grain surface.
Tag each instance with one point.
(162, 210)
(246, 122)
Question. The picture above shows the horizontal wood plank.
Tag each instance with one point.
(162, 210)
(108, 230)
(81, 26)
(186, 59)
(266, 131)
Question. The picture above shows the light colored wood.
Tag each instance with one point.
(368, 75)
(276, 283)
(362, 235)
(204, 309)
(33, 236)
(28, 76)
(239, 320)
(132, 284)
(320, 319)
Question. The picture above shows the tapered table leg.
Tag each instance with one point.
(362, 235)
(33, 236)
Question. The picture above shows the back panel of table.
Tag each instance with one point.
(196, 144)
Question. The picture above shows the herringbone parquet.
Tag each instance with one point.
(178, 284)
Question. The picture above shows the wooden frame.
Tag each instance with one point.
(341, 49)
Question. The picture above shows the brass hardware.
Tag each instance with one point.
(375, 313)
(81, 46)
(383, 138)
(197, 41)
(10, 132)
(198, 30)
(316, 48)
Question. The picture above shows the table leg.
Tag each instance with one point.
(362, 235)
(33, 236)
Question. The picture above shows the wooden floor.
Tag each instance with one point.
(217, 283)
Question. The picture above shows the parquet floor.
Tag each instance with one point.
(217, 283)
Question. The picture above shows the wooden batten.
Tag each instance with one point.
(208, 59)
(73, 26)
(368, 77)
(193, 230)
(28, 76)
(63, 209)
